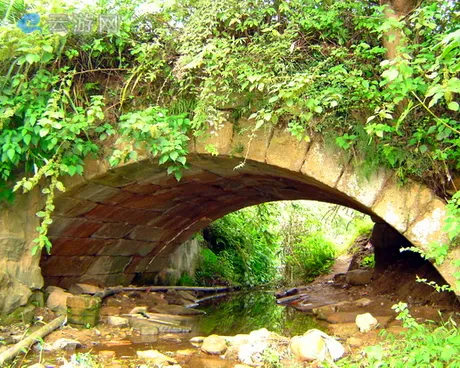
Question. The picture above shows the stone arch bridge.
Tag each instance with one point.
(117, 225)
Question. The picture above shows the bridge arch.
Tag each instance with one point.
(114, 224)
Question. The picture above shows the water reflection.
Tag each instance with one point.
(247, 311)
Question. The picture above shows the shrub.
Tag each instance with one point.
(311, 257)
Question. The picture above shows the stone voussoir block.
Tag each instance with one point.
(278, 155)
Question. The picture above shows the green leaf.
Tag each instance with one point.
(423, 148)
(43, 132)
(182, 160)
(32, 58)
(27, 139)
(71, 170)
(174, 155)
(178, 175)
(11, 153)
(453, 106)
(41, 214)
(391, 74)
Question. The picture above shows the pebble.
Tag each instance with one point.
(107, 354)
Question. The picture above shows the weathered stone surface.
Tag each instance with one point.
(159, 358)
(247, 143)
(66, 246)
(83, 310)
(428, 228)
(359, 277)
(62, 344)
(57, 300)
(364, 190)
(74, 227)
(324, 164)
(366, 322)
(117, 321)
(66, 266)
(95, 192)
(71, 207)
(126, 247)
(214, 345)
(401, 206)
(220, 139)
(108, 264)
(114, 230)
(84, 289)
(316, 345)
(278, 155)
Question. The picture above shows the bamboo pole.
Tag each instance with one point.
(14, 350)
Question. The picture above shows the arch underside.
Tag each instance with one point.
(123, 224)
(109, 229)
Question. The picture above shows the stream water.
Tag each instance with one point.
(238, 313)
(244, 312)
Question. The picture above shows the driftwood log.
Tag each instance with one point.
(11, 353)
(118, 289)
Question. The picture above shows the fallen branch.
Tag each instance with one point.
(288, 299)
(183, 288)
(118, 289)
(213, 296)
(11, 352)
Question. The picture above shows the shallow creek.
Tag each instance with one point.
(238, 313)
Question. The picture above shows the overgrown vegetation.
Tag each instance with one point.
(314, 67)
(279, 242)
(420, 345)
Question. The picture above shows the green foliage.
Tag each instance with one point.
(420, 346)
(368, 261)
(243, 248)
(311, 257)
(186, 280)
(152, 129)
(452, 222)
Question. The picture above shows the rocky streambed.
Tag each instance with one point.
(333, 317)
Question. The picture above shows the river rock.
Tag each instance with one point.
(157, 358)
(316, 345)
(62, 344)
(354, 342)
(214, 345)
(363, 302)
(359, 277)
(197, 341)
(366, 322)
(107, 354)
(261, 334)
(341, 317)
(144, 326)
(139, 310)
(57, 299)
(252, 352)
(117, 321)
(84, 289)
(343, 330)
